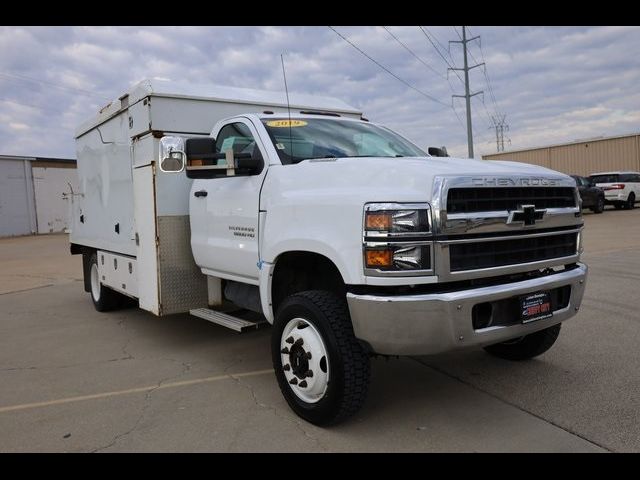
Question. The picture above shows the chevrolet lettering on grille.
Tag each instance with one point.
(506, 182)
(527, 215)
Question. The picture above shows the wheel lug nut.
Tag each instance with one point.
(293, 381)
(303, 384)
(289, 340)
(285, 350)
(287, 367)
(309, 373)
(298, 341)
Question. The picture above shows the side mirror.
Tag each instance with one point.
(249, 162)
(172, 157)
(204, 162)
(438, 152)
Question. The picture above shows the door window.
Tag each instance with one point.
(236, 137)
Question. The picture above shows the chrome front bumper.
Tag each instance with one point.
(435, 323)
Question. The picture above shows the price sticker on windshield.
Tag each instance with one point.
(286, 123)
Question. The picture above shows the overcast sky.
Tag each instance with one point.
(554, 84)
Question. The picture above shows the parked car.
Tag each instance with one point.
(592, 197)
(621, 189)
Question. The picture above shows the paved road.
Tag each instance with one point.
(72, 379)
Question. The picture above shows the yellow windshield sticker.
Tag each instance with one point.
(286, 123)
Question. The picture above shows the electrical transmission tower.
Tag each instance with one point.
(501, 126)
(467, 95)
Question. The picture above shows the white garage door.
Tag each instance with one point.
(52, 207)
(17, 212)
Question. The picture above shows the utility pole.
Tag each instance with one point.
(467, 95)
(501, 126)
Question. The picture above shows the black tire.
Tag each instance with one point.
(526, 347)
(347, 364)
(107, 299)
(631, 202)
(599, 206)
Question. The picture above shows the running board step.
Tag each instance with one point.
(226, 320)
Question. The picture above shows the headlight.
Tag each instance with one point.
(397, 239)
(398, 257)
(395, 220)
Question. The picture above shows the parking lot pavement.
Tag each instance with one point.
(73, 379)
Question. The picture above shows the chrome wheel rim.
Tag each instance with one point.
(304, 359)
(95, 283)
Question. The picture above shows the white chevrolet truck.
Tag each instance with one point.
(351, 241)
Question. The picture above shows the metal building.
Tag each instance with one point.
(582, 157)
(34, 194)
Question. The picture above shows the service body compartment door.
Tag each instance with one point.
(145, 238)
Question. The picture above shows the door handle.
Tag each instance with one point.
(200, 193)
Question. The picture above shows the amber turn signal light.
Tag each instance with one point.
(379, 258)
(379, 221)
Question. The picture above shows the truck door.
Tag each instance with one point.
(224, 211)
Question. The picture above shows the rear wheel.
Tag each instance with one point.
(322, 369)
(631, 201)
(526, 347)
(104, 299)
(599, 206)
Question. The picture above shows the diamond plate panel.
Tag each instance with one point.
(182, 285)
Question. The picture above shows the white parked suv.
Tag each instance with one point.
(621, 189)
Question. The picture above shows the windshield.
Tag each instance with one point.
(302, 139)
(609, 178)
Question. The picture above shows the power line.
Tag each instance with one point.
(430, 68)
(37, 107)
(497, 121)
(486, 74)
(387, 70)
(438, 51)
(13, 76)
(457, 116)
(414, 54)
(457, 33)
(487, 79)
(426, 31)
(486, 111)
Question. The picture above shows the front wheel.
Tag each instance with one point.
(526, 347)
(599, 206)
(631, 202)
(322, 369)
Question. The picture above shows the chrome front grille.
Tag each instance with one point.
(480, 230)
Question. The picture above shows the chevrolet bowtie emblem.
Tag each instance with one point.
(527, 214)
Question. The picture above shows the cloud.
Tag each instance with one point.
(18, 126)
(555, 84)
